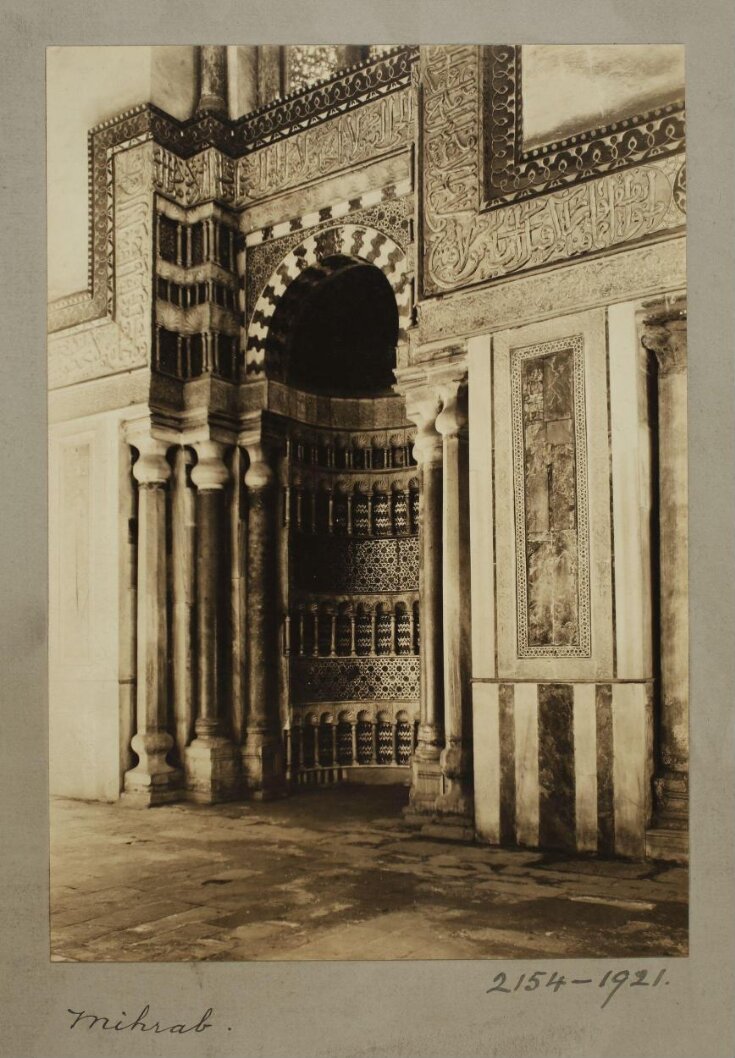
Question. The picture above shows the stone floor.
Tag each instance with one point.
(336, 874)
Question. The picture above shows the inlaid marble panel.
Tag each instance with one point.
(550, 482)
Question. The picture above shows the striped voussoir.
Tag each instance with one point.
(336, 211)
(349, 240)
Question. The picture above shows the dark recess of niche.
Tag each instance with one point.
(343, 340)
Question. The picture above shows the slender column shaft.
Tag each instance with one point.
(667, 338)
(183, 503)
(238, 594)
(263, 753)
(315, 623)
(261, 577)
(431, 602)
(422, 407)
(209, 509)
(210, 476)
(152, 780)
(212, 766)
(213, 79)
(456, 758)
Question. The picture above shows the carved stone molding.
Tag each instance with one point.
(369, 132)
(526, 299)
(462, 244)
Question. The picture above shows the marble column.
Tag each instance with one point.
(456, 798)
(213, 80)
(262, 754)
(153, 780)
(183, 529)
(426, 784)
(212, 765)
(665, 335)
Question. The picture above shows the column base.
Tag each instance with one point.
(152, 781)
(456, 798)
(263, 767)
(426, 785)
(668, 838)
(142, 790)
(212, 768)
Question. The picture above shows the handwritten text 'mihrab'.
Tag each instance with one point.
(83, 1019)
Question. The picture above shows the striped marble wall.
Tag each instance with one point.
(562, 765)
(561, 630)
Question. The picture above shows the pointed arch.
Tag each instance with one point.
(350, 240)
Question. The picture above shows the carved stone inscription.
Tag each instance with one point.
(551, 500)
(356, 136)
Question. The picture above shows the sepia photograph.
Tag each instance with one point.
(367, 499)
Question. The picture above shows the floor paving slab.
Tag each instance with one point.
(336, 874)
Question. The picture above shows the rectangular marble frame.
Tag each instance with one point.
(598, 664)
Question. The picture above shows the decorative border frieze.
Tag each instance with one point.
(512, 173)
(574, 210)
(583, 644)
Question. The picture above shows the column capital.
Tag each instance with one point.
(151, 467)
(453, 417)
(664, 332)
(260, 473)
(422, 407)
(210, 472)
